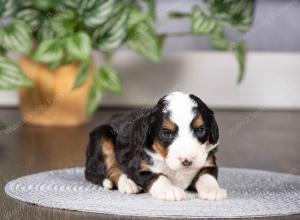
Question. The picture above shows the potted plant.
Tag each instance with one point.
(57, 79)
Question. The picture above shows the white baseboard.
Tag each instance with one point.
(272, 80)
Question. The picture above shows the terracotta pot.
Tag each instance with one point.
(52, 102)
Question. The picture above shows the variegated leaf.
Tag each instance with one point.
(30, 16)
(44, 31)
(25, 3)
(219, 41)
(7, 8)
(45, 4)
(99, 14)
(82, 74)
(94, 99)
(145, 41)
(242, 14)
(79, 46)
(11, 76)
(17, 37)
(48, 51)
(151, 4)
(112, 33)
(136, 16)
(201, 23)
(74, 4)
(63, 24)
(239, 13)
(108, 79)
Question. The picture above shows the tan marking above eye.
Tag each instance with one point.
(160, 149)
(168, 124)
(197, 122)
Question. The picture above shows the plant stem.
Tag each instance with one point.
(177, 34)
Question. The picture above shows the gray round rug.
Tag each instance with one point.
(251, 193)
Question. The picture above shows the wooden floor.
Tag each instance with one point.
(252, 139)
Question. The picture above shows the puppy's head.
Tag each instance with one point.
(184, 131)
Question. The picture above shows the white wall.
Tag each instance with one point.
(272, 80)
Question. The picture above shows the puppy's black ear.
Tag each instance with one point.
(214, 130)
(143, 130)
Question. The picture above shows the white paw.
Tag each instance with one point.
(212, 193)
(126, 185)
(107, 184)
(171, 194)
(163, 189)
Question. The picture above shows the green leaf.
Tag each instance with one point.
(151, 9)
(82, 74)
(16, 37)
(201, 23)
(72, 3)
(2, 125)
(108, 79)
(44, 4)
(94, 99)
(82, 5)
(79, 46)
(219, 41)
(7, 8)
(99, 14)
(25, 3)
(11, 76)
(240, 53)
(242, 16)
(31, 16)
(239, 13)
(44, 31)
(143, 39)
(52, 66)
(136, 16)
(63, 24)
(112, 33)
(48, 51)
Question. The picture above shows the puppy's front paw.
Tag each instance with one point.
(171, 194)
(212, 193)
(163, 189)
(127, 186)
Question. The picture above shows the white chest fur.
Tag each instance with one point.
(181, 178)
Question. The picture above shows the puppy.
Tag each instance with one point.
(162, 150)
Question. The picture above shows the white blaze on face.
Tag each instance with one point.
(185, 145)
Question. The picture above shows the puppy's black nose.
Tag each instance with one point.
(187, 162)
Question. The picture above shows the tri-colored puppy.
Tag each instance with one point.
(162, 150)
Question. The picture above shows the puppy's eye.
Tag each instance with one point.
(166, 133)
(200, 131)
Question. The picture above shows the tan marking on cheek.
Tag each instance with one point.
(160, 149)
(144, 167)
(112, 168)
(168, 124)
(210, 161)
